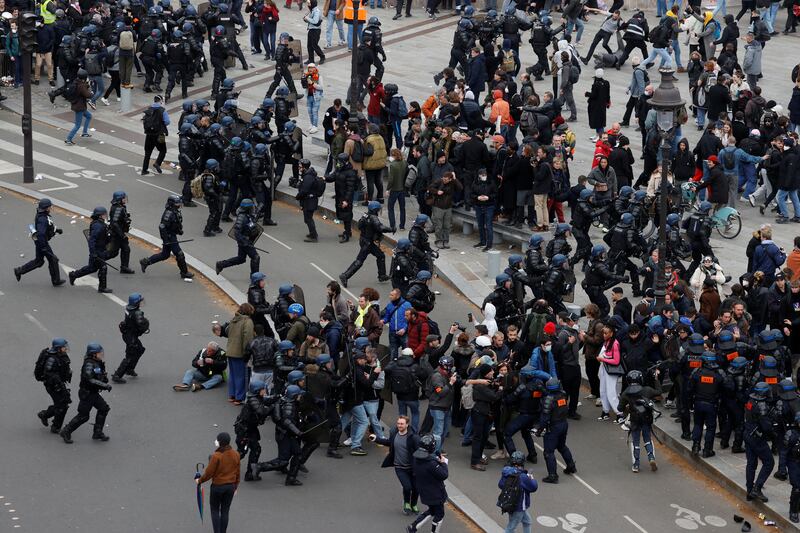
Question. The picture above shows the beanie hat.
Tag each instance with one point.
(550, 328)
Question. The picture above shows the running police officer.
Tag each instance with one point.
(170, 227)
(42, 230)
(93, 380)
(52, 369)
(553, 424)
(119, 222)
(133, 326)
(372, 230)
(98, 240)
(246, 231)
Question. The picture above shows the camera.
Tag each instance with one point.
(459, 326)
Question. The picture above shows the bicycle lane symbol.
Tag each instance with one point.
(571, 522)
(692, 520)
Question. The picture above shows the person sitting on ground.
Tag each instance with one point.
(207, 369)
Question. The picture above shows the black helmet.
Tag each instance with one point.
(45, 203)
(635, 376)
(447, 361)
(517, 459)
(427, 442)
(99, 211)
(553, 385)
(174, 200)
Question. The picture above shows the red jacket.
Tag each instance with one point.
(375, 98)
(418, 331)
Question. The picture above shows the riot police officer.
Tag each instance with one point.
(553, 424)
(119, 222)
(284, 57)
(698, 232)
(555, 284)
(93, 380)
(689, 361)
(179, 57)
(582, 217)
(558, 244)
(257, 407)
(419, 295)
(535, 265)
(372, 230)
(246, 231)
(285, 147)
(133, 326)
(170, 227)
(372, 33)
(733, 399)
(402, 268)
(625, 242)
(309, 191)
(233, 171)
(463, 41)
(600, 277)
(421, 249)
(488, 29)
(212, 193)
(188, 157)
(256, 296)
(42, 230)
(345, 182)
(280, 310)
(220, 50)
(286, 416)
(98, 240)
(792, 444)
(757, 432)
(541, 36)
(261, 181)
(705, 388)
(527, 398)
(675, 244)
(53, 370)
(502, 298)
(638, 400)
(519, 280)
(226, 93)
(324, 389)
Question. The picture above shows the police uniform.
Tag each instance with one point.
(93, 380)
(254, 412)
(98, 241)
(56, 375)
(553, 422)
(372, 230)
(120, 224)
(757, 430)
(705, 387)
(170, 227)
(245, 232)
(45, 230)
(133, 326)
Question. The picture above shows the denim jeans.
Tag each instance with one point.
(400, 198)
(396, 342)
(521, 517)
(578, 23)
(748, 178)
(237, 378)
(268, 38)
(266, 377)
(350, 34)
(397, 129)
(100, 87)
(773, 13)
(466, 439)
(441, 424)
(313, 103)
(722, 5)
(79, 117)
(195, 375)
(404, 405)
(781, 198)
(701, 116)
(256, 35)
(371, 407)
(358, 416)
(676, 47)
(666, 60)
(329, 27)
(484, 215)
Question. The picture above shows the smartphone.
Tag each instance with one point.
(469, 317)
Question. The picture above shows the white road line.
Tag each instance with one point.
(169, 191)
(334, 279)
(91, 281)
(276, 240)
(6, 167)
(576, 476)
(41, 157)
(634, 524)
(58, 144)
(67, 184)
(38, 324)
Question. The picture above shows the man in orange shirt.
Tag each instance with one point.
(793, 261)
(500, 109)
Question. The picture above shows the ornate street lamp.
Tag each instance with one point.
(666, 101)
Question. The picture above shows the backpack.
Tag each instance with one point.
(646, 76)
(358, 152)
(642, 411)
(369, 150)
(402, 380)
(433, 327)
(527, 121)
(508, 500)
(126, 40)
(508, 61)
(729, 159)
(658, 33)
(535, 328)
(70, 92)
(574, 74)
(38, 370)
(717, 29)
(402, 108)
(196, 186)
(467, 400)
(94, 66)
(318, 188)
(710, 82)
(153, 121)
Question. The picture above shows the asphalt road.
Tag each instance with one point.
(607, 495)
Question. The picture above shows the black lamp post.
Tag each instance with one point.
(355, 86)
(666, 101)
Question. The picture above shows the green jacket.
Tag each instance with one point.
(397, 176)
(12, 44)
(240, 333)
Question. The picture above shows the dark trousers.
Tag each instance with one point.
(409, 483)
(522, 424)
(123, 249)
(89, 400)
(281, 73)
(153, 142)
(114, 85)
(233, 197)
(399, 7)
(597, 297)
(313, 45)
(280, 165)
(166, 249)
(308, 218)
(571, 382)
(484, 215)
(629, 47)
(374, 181)
(42, 253)
(592, 369)
(734, 422)
(175, 70)
(367, 248)
(600, 36)
(94, 265)
(58, 410)
(436, 512)
(556, 439)
(629, 107)
(219, 75)
(481, 424)
(400, 198)
(133, 352)
(757, 449)
(214, 214)
(220, 501)
(705, 414)
(244, 251)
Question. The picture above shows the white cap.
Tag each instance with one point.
(470, 95)
(406, 351)
(483, 341)
(599, 73)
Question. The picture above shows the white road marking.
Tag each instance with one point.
(7, 167)
(58, 144)
(634, 524)
(276, 240)
(169, 191)
(576, 476)
(39, 325)
(42, 158)
(334, 279)
(91, 281)
(2, 293)
(67, 184)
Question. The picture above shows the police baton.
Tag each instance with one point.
(177, 242)
(260, 250)
(109, 265)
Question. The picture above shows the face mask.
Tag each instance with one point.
(482, 177)
(216, 443)
(548, 347)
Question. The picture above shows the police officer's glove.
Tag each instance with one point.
(297, 433)
(626, 279)
(108, 388)
(59, 231)
(180, 232)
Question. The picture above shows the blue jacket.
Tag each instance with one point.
(527, 483)
(45, 39)
(395, 315)
(430, 474)
(537, 362)
(740, 157)
(333, 338)
(767, 257)
(477, 75)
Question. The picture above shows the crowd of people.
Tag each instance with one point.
(718, 351)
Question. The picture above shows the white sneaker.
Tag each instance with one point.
(752, 200)
(118, 99)
(105, 101)
(598, 402)
(342, 43)
(500, 454)
(313, 129)
(326, 46)
(348, 442)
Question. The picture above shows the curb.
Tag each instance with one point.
(456, 497)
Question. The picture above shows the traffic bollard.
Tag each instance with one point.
(125, 100)
(493, 267)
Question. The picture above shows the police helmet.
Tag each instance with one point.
(296, 309)
(59, 342)
(586, 194)
(293, 391)
(323, 359)
(447, 361)
(255, 277)
(421, 219)
(553, 384)
(787, 390)
(738, 364)
(469, 11)
(465, 24)
(66, 40)
(374, 206)
(766, 341)
(45, 203)
(760, 390)
(373, 21)
(191, 119)
(215, 127)
(500, 279)
(174, 200)
(223, 7)
(696, 344)
(187, 127)
(427, 442)
(598, 250)
(135, 299)
(705, 207)
(282, 91)
(191, 11)
(230, 103)
(212, 164)
(559, 260)
(625, 190)
(768, 367)
(517, 458)
(236, 141)
(118, 196)
(423, 275)
(285, 346)
(527, 372)
(285, 290)
(155, 33)
(725, 341)
(247, 203)
(562, 228)
(187, 27)
(289, 127)
(256, 386)
(177, 34)
(187, 106)
(515, 259)
(709, 359)
(227, 122)
(627, 219)
(99, 211)
(673, 219)
(639, 195)
(93, 348)
(492, 14)
(284, 35)
(635, 376)
(261, 149)
(255, 120)
(295, 376)
(403, 245)
(268, 102)
(535, 241)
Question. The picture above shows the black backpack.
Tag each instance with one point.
(642, 411)
(318, 189)
(402, 380)
(94, 67)
(729, 159)
(153, 121)
(38, 370)
(508, 500)
(70, 92)
(358, 152)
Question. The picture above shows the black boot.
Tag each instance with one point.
(143, 263)
(102, 276)
(126, 270)
(794, 506)
(756, 494)
(43, 417)
(695, 448)
(99, 435)
(181, 260)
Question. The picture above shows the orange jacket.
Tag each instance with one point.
(348, 12)
(501, 109)
(430, 106)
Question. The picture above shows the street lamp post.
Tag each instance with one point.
(355, 87)
(666, 101)
(27, 43)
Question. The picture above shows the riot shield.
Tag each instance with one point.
(314, 424)
(569, 275)
(299, 297)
